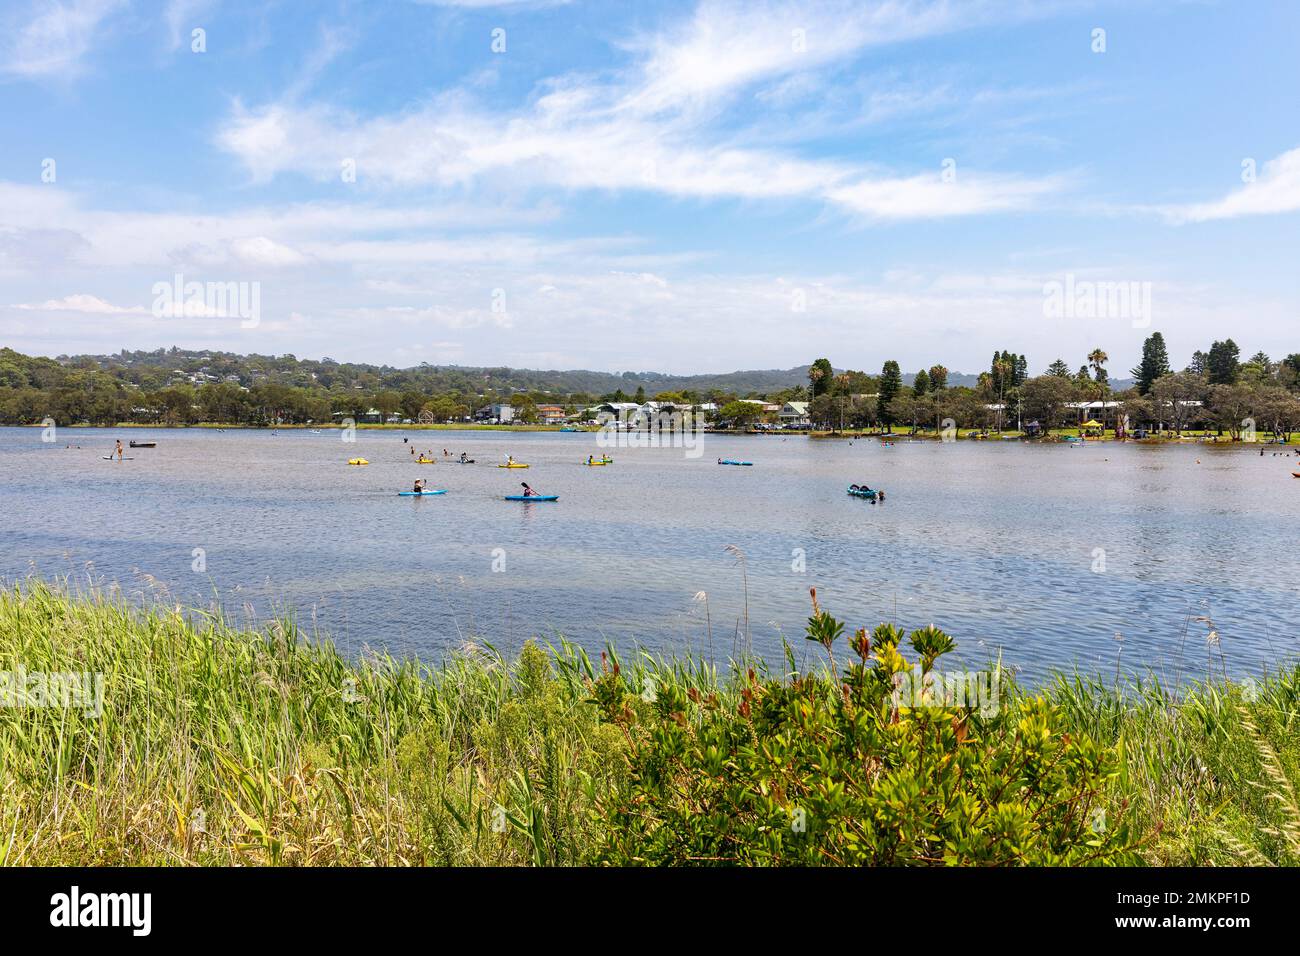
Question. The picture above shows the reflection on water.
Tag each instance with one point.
(1050, 555)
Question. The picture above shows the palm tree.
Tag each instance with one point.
(1098, 359)
(1100, 385)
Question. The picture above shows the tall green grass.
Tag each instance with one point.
(220, 745)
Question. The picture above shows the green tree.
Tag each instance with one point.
(921, 384)
(891, 382)
(820, 376)
(1097, 360)
(1222, 365)
(1154, 364)
(1059, 369)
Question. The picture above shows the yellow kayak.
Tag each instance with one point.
(515, 465)
(357, 461)
(593, 464)
(426, 461)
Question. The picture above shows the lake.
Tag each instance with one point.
(1052, 556)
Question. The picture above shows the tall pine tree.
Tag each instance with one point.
(891, 381)
(1155, 363)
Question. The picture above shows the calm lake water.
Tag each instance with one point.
(996, 542)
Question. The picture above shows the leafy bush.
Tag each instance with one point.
(840, 767)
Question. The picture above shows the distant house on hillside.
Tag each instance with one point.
(550, 414)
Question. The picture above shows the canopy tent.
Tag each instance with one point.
(1092, 425)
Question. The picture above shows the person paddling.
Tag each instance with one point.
(419, 486)
(119, 449)
(528, 491)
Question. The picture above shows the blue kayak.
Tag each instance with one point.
(421, 494)
(864, 493)
(728, 461)
(532, 497)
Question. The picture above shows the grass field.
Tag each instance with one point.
(223, 746)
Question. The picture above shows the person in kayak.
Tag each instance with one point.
(510, 459)
(419, 486)
(464, 457)
(590, 459)
(528, 491)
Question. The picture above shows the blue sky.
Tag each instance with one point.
(684, 187)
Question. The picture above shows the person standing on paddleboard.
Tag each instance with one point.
(119, 449)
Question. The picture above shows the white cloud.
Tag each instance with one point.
(651, 128)
(83, 303)
(50, 38)
(1276, 189)
(261, 251)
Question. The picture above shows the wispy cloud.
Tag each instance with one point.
(652, 127)
(1276, 189)
(50, 38)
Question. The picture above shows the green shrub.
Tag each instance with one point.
(844, 770)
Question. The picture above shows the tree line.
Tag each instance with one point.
(1216, 390)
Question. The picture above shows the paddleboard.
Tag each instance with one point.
(115, 458)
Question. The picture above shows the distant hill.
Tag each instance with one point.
(291, 370)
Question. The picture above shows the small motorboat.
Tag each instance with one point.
(144, 444)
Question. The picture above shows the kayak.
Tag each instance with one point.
(357, 461)
(532, 497)
(426, 461)
(728, 461)
(144, 444)
(467, 461)
(113, 457)
(515, 465)
(421, 494)
(593, 464)
(868, 493)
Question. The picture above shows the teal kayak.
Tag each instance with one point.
(421, 494)
(864, 493)
(728, 461)
(532, 497)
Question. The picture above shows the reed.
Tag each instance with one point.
(219, 745)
